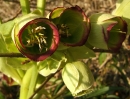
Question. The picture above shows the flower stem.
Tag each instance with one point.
(33, 81)
(41, 6)
(25, 5)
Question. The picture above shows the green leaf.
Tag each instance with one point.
(51, 64)
(6, 28)
(112, 97)
(2, 96)
(9, 71)
(102, 57)
(20, 63)
(102, 90)
(81, 52)
(3, 45)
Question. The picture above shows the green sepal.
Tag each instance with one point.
(122, 10)
(81, 52)
(97, 37)
(55, 14)
(52, 63)
(78, 78)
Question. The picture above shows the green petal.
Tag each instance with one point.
(78, 78)
(81, 52)
(51, 64)
(70, 76)
(86, 79)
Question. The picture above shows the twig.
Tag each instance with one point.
(68, 3)
(105, 51)
(43, 84)
(11, 55)
(60, 92)
(109, 57)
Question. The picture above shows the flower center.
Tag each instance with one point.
(63, 30)
(37, 36)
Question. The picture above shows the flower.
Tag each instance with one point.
(73, 25)
(35, 37)
(107, 31)
(78, 78)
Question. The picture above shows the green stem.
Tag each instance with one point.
(25, 5)
(33, 81)
(28, 85)
(41, 6)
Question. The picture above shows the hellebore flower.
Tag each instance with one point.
(35, 37)
(73, 25)
(107, 31)
(78, 78)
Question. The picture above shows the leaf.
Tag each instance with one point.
(9, 71)
(3, 45)
(102, 57)
(6, 28)
(2, 96)
(81, 52)
(51, 64)
(20, 63)
(102, 90)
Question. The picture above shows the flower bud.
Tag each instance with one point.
(78, 78)
(73, 25)
(35, 37)
(107, 31)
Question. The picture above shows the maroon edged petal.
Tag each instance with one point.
(38, 56)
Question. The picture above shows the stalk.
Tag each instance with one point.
(33, 81)
(26, 83)
(25, 5)
(41, 6)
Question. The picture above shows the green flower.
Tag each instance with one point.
(78, 78)
(35, 37)
(73, 25)
(107, 31)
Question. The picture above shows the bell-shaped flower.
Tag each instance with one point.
(73, 25)
(107, 31)
(35, 37)
(78, 78)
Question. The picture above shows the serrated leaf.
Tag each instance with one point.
(81, 52)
